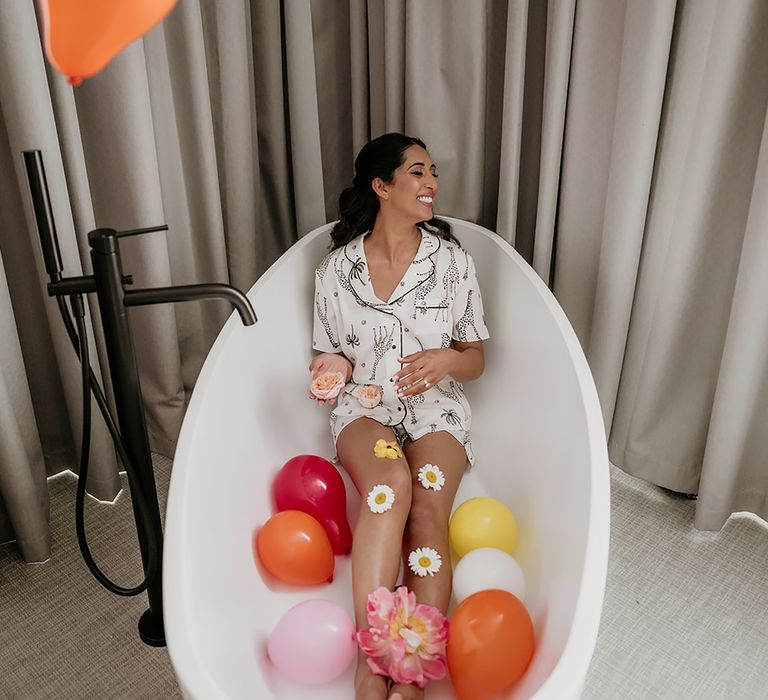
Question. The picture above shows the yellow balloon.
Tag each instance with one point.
(482, 522)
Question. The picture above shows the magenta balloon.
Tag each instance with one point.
(313, 485)
(313, 643)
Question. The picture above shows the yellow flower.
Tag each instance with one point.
(387, 450)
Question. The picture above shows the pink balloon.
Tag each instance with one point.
(313, 485)
(313, 643)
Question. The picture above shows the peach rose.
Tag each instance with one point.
(369, 396)
(328, 385)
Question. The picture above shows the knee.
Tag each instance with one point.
(397, 476)
(427, 513)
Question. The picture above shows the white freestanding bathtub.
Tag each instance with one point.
(537, 433)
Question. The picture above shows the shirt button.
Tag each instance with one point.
(407, 331)
(394, 347)
(402, 284)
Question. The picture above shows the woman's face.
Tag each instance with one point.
(414, 186)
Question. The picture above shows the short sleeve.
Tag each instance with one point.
(467, 309)
(325, 333)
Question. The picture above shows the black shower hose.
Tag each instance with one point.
(90, 383)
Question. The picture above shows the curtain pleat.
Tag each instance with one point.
(178, 99)
(511, 145)
(23, 492)
(27, 310)
(117, 126)
(389, 62)
(230, 80)
(559, 38)
(614, 113)
(359, 68)
(30, 124)
(333, 40)
(733, 473)
(277, 222)
(306, 156)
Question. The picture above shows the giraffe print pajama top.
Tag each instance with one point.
(438, 299)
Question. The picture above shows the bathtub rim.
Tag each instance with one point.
(567, 677)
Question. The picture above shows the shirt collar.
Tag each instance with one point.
(357, 275)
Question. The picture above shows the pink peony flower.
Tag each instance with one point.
(405, 641)
(327, 385)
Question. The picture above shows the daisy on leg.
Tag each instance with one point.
(424, 561)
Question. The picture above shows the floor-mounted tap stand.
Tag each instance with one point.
(109, 282)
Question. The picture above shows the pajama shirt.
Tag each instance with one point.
(438, 299)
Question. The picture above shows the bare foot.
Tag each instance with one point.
(405, 692)
(368, 685)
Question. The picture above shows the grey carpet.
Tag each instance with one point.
(64, 636)
(685, 616)
(686, 612)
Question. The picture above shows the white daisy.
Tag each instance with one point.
(424, 560)
(431, 477)
(380, 498)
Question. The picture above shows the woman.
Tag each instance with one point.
(398, 313)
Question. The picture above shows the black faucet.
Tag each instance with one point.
(104, 242)
(108, 282)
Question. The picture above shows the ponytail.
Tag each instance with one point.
(357, 214)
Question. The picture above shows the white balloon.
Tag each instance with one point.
(486, 568)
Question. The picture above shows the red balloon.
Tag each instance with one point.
(490, 645)
(313, 485)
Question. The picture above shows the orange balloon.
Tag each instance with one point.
(82, 36)
(490, 644)
(295, 548)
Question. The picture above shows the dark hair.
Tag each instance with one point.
(359, 205)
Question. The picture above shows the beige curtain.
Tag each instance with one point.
(618, 145)
(662, 220)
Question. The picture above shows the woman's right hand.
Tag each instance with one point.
(330, 362)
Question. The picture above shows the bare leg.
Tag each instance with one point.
(376, 546)
(427, 525)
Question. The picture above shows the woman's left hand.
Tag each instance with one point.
(423, 370)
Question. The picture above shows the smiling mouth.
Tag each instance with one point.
(426, 201)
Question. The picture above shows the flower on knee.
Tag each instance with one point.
(405, 641)
(431, 477)
(424, 560)
(387, 450)
(380, 498)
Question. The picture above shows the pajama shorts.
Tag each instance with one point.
(428, 412)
